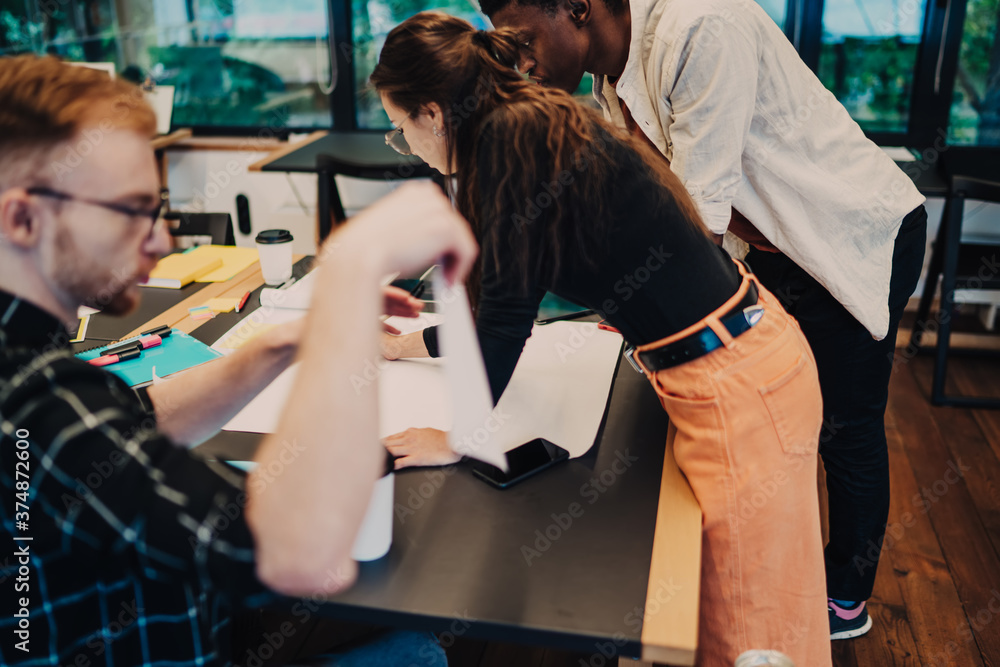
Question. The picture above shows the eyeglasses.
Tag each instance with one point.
(151, 214)
(395, 139)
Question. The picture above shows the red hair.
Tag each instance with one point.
(45, 102)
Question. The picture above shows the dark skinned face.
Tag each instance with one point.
(553, 46)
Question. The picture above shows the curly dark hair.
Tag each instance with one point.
(470, 75)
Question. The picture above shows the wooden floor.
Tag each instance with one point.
(937, 593)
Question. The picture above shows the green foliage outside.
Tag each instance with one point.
(212, 88)
(975, 109)
(873, 78)
(372, 22)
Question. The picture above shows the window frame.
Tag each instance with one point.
(933, 75)
(933, 83)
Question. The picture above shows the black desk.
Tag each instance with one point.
(621, 575)
(365, 155)
(932, 172)
(592, 584)
(104, 328)
(355, 154)
(460, 549)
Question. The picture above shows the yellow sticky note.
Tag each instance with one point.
(223, 304)
(177, 270)
(233, 260)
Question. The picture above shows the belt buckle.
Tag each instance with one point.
(630, 353)
(753, 314)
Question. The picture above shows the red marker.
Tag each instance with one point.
(242, 302)
(603, 325)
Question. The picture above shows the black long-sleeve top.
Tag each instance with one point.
(656, 273)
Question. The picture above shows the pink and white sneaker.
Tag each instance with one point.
(848, 622)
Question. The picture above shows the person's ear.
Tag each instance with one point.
(18, 223)
(436, 116)
(579, 12)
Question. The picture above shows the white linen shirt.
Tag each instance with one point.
(720, 91)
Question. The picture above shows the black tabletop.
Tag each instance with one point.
(365, 155)
(213, 329)
(153, 301)
(561, 559)
(932, 171)
(927, 175)
(976, 161)
(359, 154)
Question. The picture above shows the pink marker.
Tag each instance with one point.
(150, 341)
(126, 351)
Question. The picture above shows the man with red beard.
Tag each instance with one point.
(128, 549)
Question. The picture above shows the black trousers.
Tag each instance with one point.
(273, 638)
(854, 371)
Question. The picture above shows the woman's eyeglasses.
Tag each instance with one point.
(395, 139)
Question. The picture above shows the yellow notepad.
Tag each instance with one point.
(233, 259)
(223, 304)
(177, 270)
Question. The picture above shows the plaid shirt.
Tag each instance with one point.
(137, 548)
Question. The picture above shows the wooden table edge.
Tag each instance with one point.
(177, 316)
(169, 139)
(668, 633)
(285, 150)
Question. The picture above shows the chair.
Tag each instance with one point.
(381, 165)
(960, 266)
(218, 226)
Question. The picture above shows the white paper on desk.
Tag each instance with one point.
(262, 414)
(473, 425)
(297, 295)
(558, 391)
(161, 98)
(898, 153)
(560, 386)
(254, 324)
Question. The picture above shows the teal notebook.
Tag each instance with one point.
(177, 352)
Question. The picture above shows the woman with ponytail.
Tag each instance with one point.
(561, 201)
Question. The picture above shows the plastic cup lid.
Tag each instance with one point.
(274, 236)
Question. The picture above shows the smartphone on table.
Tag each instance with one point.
(522, 462)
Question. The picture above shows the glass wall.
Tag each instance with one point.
(268, 63)
(868, 58)
(975, 108)
(371, 21)
(254, 63)
(776, 9)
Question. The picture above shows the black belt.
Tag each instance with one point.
(736, 320)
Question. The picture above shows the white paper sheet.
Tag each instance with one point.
(898, 153)
(161, 98)
(254, 324)
(558, 391)
(473, 420)
(560, 386)
(296, 295)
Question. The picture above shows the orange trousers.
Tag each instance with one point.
(745, 423)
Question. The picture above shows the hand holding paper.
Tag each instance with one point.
(421, 447)
(465, 375)
(398, 302)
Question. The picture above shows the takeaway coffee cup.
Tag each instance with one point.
(375, 537)
(274, 246)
